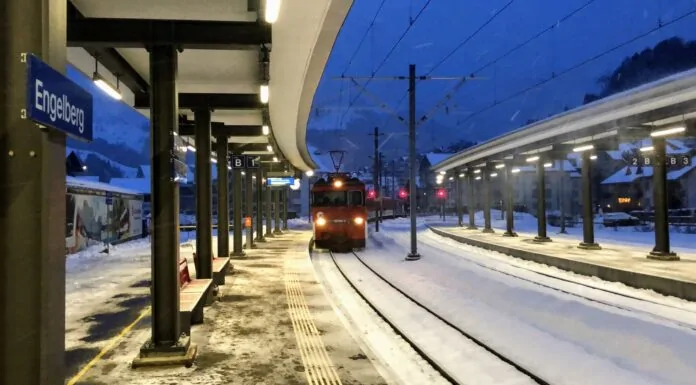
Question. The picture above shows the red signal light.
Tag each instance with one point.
(371, 194)
(402, 194)
(441, 193)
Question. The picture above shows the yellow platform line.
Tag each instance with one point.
(112, 342)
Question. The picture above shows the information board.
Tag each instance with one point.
(281, 181)
(670, 161)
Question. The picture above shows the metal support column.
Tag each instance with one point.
(269, 214)
(276, 212)
(166, 334)
(662, 248)
(413, 254)
(588, 241)
(237, 240)
(510, 205)
(458, 199)
(487, 202)
(204, 196)
(249, 198)
(259, 205)
(32, 203)
(472, 203)
(223, 194)
(541, 203)
(286, 202)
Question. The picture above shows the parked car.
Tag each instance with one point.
(619, 219)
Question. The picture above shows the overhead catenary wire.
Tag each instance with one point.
(582, 63)
(412, 22)
(362, 40)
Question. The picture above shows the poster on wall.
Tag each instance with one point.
(89, 218)
(136, 217)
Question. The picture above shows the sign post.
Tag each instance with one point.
(55, 101)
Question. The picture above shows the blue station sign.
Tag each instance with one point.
(55, 101)
(281, 181)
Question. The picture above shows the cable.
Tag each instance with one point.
(362, 40)
(582, 63)
(412, 22)
(476, 32)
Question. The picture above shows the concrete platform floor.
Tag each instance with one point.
(271, 325)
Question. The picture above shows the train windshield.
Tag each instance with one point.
(337, 198)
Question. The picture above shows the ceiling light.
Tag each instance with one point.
(275, 159)
(309, 173)
(213, 160)
(494, 174)
(269, 148)
(461, 175)
(593, 157)
(478, 178)
(272, 10)
(533, 159)
(191, 148)
(451, 178)
(229, 167)
(265, 129)
(548, 164)
(477, 171)
(439, 181)
(515, 170)
(647, 148)
(669, 131)
(264, 93)
(110, 90)
(583, 148)
(443, 172)
(84, 168)
(499, 166)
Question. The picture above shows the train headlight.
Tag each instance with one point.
(338, 183)
(358, 220)
(321, 221)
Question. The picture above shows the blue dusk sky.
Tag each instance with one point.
(594, 28)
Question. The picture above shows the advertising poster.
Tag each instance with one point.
(136, 217)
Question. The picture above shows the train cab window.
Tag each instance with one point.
(337, 198)
(355, 198)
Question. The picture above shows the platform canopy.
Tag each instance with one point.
(221, 65)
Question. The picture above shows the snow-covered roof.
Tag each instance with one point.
(435, 158)
(86, 184)
(621, 177)
(128, 172)
(141, 185)
(673, 147)
(88, 178)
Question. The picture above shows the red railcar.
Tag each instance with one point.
(339, 215)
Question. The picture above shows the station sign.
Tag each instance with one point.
(244, 161)
(280, 181)
(670, 161)
(55, 101)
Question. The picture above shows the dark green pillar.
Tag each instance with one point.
(32, 203)
(458, 198)
(510, 205)
(237, 238)
(662, 250)
(223, 194)
(259, 205)
(204, 195)
(541, 203)
(286, 202)
(267, 209)
(472, 202)
(276, 211)
(487, 202)
(588, 241)
(249, 203)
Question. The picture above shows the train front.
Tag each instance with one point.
(339, 216)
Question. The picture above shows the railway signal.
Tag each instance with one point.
(371, 194)
(441, 193)
(403, 194)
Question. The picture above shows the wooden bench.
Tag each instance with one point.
(192, 297)
(221, 267)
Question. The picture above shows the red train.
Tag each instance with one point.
(339, 213)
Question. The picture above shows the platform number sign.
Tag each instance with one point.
(675, 161)
(238, 161)
(252, 162)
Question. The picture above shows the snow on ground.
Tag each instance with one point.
(403, 364)
(525, 223)
(562, 337)
(460, 357)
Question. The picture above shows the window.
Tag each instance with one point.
(337, 198)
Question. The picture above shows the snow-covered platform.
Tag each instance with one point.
(272, 325)
(614, 262)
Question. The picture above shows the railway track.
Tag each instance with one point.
(441, 370)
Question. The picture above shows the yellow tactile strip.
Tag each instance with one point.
(318, 366)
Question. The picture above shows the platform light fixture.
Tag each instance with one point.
(548, 165)
(515, 170)
(477, 178)
(477, 171)
(499, 166)
(451, 178)
(668, 131)
(461, 175)
(269, 148)
(264, 93)
(593, 157)
(647, 148)
(105, 86)
(272, 11)
(494, 174)
(309, 173)
(265, 129)
(275, 159)
(533, 159)
(213, 160)
(191, 148)
(84, 168)
(443, 172)
(583, 148)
